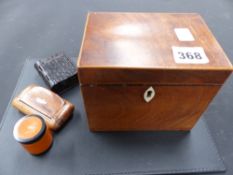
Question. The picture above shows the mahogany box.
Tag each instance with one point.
(148, 71)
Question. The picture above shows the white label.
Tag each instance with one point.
(184, 34)
(189, 55)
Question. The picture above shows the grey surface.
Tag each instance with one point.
(76, 150)
(32, 28)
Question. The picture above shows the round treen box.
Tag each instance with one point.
(33, 134)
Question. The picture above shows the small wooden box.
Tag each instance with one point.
(148, 71)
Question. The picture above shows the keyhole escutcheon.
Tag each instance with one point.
(149, 94)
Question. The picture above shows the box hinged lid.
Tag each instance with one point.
(150, 48)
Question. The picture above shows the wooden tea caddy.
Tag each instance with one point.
(148, 71)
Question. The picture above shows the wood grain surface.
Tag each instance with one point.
(45, 103)
(123, 54)
(116, 108)
(144, 40)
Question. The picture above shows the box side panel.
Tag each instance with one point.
(123, 108)
(88, 76)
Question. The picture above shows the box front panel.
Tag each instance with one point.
(132, 108)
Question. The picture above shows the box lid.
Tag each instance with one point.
(150, 48)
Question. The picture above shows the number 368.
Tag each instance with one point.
(189, 55)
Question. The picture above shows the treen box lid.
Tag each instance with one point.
(150, 48)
